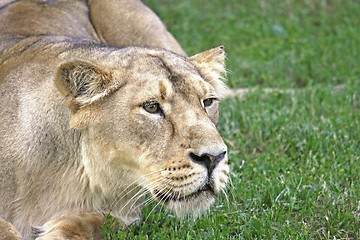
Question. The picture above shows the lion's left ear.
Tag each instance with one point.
(211, 65)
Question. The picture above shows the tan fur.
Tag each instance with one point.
(77, 139)
(8, 231)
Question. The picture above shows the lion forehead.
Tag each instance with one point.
(164, 77)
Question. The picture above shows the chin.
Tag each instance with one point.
(192, 205)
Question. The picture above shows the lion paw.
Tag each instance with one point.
(82, 227)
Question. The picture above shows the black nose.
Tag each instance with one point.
(208, 160)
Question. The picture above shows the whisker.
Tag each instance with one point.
(140, 179)
(162, 199)
(226, 196)
(153, 185)
(142, 192)
(138, 195)
(144, 203)
(133, 186)
(232, 189)
(151, 198)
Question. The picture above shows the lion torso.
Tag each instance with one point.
(78, 130)
(36, 137)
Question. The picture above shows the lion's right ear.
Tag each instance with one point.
(84, 82)
(211, 65)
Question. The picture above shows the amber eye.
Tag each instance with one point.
(208, 102)
(152, 107)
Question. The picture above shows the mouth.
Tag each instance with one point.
(176, 197)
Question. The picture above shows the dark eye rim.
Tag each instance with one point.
(209, 101)
(156, 110)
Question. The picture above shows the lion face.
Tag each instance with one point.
(156, 120)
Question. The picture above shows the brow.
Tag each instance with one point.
(162, 89)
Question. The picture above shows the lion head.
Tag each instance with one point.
(149, 120)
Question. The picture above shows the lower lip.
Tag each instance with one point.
(165, 199)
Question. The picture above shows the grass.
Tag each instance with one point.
(295, 157)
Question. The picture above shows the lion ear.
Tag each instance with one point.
(84, 82)
(211, 66)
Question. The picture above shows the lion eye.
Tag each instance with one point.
(152, 107)
(208, 102)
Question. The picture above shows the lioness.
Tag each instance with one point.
(90, 125)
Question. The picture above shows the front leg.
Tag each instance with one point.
(75, 227)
